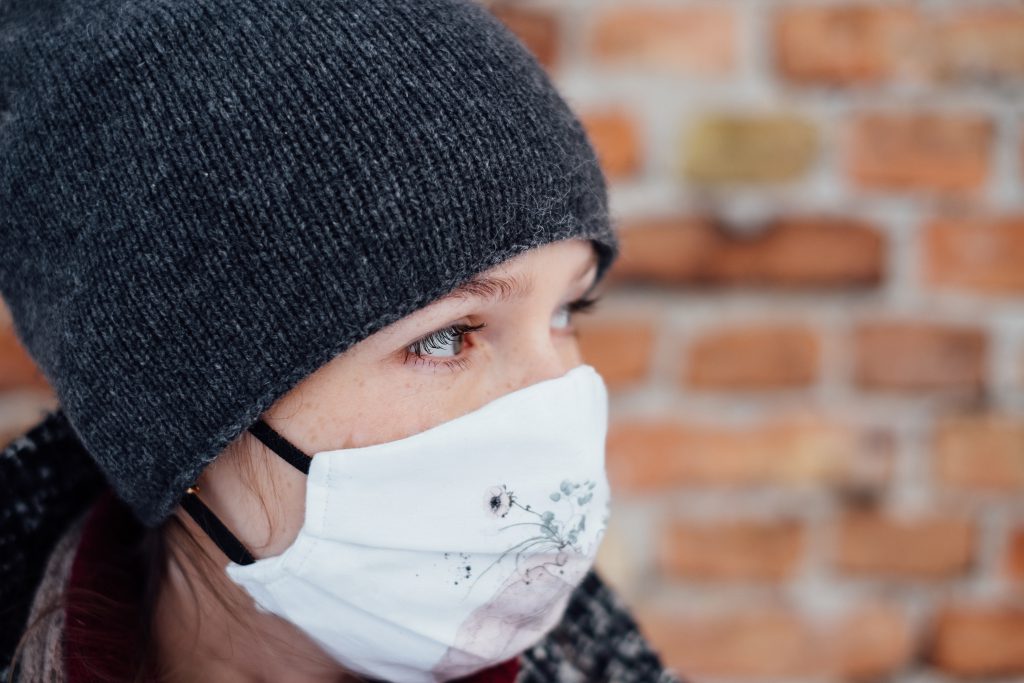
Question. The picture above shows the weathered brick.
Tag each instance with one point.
(746, 148)
(847, 43)
(981, 45)
(616, 140)
(982, 253)
(731, 549)
(754, 356)
(790, 252)
(1013, 564)
(665, 250)
(979, 640)
(17, 369)
(983, 452)
(871, 543)
(537, 28)
(619, 350)
(775, 642)
(874, 640)
(926, 151)
(649, 455)
(759, 642)
(919, 356)
(691, 40)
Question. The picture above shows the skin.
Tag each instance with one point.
(373, 393)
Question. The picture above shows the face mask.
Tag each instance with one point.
(446, 552)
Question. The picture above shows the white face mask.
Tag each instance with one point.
(449, 551)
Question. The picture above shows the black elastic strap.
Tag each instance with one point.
(215, 529)
(280, 445)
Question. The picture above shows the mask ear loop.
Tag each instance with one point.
(280, 445)
(214, 528)
(222, 537)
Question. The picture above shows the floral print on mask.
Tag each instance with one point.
(560, 523)
(549, 564)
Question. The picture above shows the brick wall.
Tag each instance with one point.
(24, 392)
(815, 337)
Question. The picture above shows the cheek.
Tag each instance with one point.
(572, 354)
(402, 408)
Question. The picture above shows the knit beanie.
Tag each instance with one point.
(203, 201)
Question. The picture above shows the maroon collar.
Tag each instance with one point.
(108, 563)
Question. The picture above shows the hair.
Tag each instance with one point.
(159, 548)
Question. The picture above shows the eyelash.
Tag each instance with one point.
(453, 332)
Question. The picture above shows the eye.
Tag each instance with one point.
(561, 318)
(447, 343)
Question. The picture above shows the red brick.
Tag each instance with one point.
(754, 643)
(730, 550)
(772, 641)
(17, 369)
(756, 356)
(919, 356)
(693, 40)
(979, 46)
(982, 452)
(982, 253)
(666, 250)
(620, 351)
(981, 640)
(615, 137)
(870, 543)
(791, 252)
(845, 44)
(647, 456)
(919, 151)
(1013, 565)
(538, 29)
(874, 640)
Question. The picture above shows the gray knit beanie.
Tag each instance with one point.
(203, 201)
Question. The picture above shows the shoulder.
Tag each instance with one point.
(597, 640)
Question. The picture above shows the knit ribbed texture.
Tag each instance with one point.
(203, 201)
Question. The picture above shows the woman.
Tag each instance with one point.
(302, 276)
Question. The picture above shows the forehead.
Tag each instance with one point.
(498, 287)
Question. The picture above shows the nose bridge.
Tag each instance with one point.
(540, 355)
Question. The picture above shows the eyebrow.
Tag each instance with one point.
(501, 289)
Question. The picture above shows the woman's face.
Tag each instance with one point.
(414, 374)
